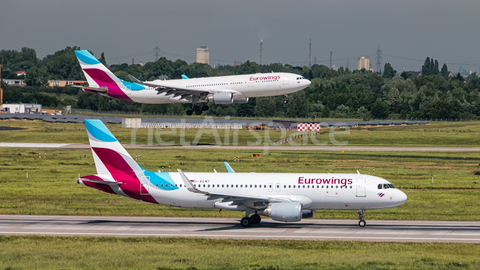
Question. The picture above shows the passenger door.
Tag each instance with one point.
(361, 187)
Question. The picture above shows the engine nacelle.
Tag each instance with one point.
(221, 98)
(285, 211)
(308, 213)
(243, 100)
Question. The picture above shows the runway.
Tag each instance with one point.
(229, 228)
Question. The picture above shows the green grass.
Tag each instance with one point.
(51, 188)
(435, 134)
(36, 252)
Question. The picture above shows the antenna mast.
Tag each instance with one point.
(310, 54)
(261, 51)
(157, 53)
(331, 56)
(379, 58)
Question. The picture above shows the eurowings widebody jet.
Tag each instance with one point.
(219, 90)
(286, 197)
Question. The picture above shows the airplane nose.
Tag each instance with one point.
(308, 83)
(402, 198)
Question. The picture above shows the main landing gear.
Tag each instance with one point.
(197, 110)
(248, 221)
(362, 222)
(285, 101)
(253, 219)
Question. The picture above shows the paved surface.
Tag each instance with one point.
(256, 148)
(229, 228)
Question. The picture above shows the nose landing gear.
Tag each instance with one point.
(285, 101)
(362, 222)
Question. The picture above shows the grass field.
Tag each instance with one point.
(435, 134)
(35, 252)
(51, 187)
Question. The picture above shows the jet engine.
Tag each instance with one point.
(285, 211)
(242, 100)
(308, 213)
(221, 98)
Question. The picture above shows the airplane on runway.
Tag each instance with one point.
(218, 90)
(286, 197)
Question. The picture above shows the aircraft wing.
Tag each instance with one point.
(179, 91)
(236, 198)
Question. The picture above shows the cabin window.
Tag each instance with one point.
(255, 186)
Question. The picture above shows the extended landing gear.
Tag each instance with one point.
(197, 110)
(248, 220)
(362, 222)
(285, 101)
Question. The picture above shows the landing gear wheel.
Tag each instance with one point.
(205, 108)
(255, 219)
(362, 222)
(246, 222)
(189, 112)
(198, 112)
(285, 101)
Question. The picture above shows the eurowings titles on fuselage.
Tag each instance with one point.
(286, 197)
(217, 90)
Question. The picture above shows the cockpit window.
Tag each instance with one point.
(385, 186)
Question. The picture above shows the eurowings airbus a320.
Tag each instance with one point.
(286, 197)
(219, 90)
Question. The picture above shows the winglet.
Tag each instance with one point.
(184, 77)
(358, 172)
(188, 184)
(229, 168)
(133, 79)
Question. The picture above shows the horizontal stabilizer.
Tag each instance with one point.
(102, 89)
(100, 182)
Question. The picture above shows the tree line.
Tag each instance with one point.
(341, 93)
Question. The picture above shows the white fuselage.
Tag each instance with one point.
(314, 191)
(242, 87)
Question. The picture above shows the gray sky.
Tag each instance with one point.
(407, 31)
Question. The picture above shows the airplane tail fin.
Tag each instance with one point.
(117, 171)
(109, 155)
(100, 78)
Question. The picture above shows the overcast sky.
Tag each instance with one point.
(407, 31)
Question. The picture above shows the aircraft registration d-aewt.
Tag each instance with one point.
(219, 90)
(286, 197)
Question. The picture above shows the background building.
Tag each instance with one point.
(363, 62)
(203, 55)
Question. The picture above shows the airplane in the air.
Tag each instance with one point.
(218, 90)
(286, 197)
